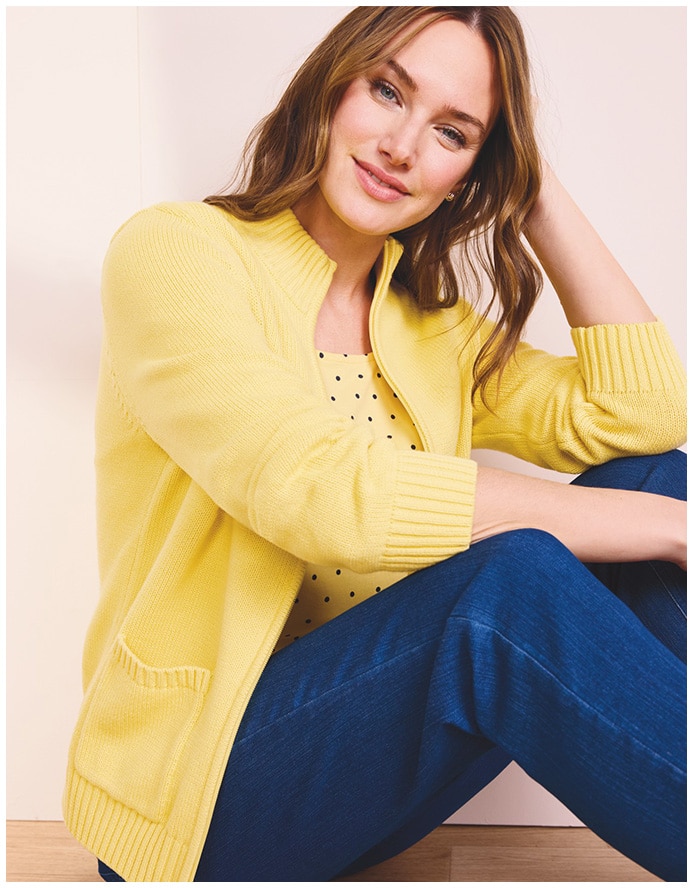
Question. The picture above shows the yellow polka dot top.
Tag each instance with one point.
(356, 389)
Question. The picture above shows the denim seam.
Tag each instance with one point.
(653, 565)
(568, 690)
(352, 679)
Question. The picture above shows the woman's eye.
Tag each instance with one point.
(385, 90)
(453, 135)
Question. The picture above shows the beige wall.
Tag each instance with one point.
(110, 109)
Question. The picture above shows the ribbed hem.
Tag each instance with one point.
(137, 849)
(432, 518)
(618, 358)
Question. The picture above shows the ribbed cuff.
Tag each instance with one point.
(434, 507)
(628, 358)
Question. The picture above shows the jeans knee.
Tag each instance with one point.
(527, 544)
(520, 570)
(663, 473)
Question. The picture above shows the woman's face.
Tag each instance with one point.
(407, 134)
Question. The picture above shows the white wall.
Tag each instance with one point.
(73, 174)
(110, 109)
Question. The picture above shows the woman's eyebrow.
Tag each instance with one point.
(403, 75)
(411, 84)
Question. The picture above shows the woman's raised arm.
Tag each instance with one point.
(595, 524)
(591, 285)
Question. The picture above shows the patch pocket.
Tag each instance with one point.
(135, 730)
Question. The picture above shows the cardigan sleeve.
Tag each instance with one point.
(186, 321)
(623, 394)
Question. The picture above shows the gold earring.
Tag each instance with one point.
(450, 196)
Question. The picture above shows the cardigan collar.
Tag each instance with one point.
(300, 266)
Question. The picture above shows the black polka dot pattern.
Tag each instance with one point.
(357, 390)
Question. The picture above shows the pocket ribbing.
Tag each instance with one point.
(135, 729)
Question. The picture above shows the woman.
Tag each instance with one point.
(291, 387)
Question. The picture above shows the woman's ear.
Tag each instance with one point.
(451, 195)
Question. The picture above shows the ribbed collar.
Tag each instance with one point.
(299, 265)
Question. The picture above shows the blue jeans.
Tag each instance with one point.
(366, 734)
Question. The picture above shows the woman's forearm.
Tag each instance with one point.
(591, 285)
(596, 524)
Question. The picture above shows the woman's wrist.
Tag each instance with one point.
(541, 210)
(672, 522)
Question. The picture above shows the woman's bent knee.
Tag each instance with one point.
(521, 569)
(528, 543)
(662, 473)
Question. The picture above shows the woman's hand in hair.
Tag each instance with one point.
(591, 285)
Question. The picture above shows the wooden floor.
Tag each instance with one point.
(41, 851)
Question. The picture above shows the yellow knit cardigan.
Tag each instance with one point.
(221, 468)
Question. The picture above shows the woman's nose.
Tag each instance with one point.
(399, 145)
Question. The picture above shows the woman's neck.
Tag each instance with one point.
(342, 325)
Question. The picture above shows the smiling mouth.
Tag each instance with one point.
(388, 182)
(380, 182)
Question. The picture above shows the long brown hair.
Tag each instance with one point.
(287, 150)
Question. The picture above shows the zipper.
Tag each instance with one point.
(379, 296)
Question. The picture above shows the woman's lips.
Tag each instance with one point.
(378, 184)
